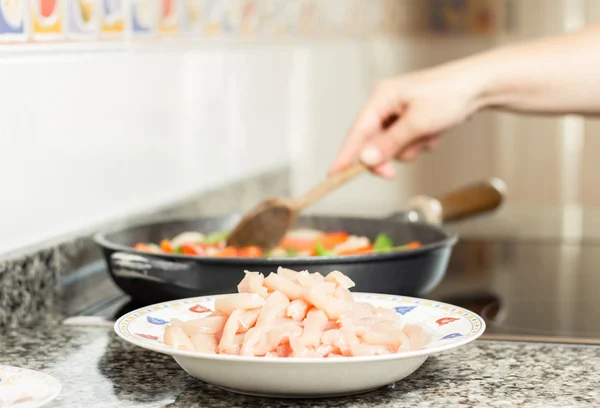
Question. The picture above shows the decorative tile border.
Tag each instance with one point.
(66, 20)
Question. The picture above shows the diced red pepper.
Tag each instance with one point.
(193, 249)
(250, 252)
(227, 252)
(166, 246)
(331, 239)
(357, 251)
(296, 244)
(413, 245)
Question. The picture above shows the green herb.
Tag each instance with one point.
(383, 243)
(320, 251)
(215, 237)
(178, 250)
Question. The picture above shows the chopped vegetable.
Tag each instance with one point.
(332, 239)
(411, 245)
(250, 252)
(187, 237)
(193, 249)
(297, 243)
(166, 246)
(382, 243)
(215, 237)
(227, 252)
(357, 251)
(321, 251)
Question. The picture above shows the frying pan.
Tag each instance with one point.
(151, 278)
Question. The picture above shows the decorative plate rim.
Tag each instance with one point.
(474, 334)
(54, 384)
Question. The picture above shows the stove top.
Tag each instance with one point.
(525, 290)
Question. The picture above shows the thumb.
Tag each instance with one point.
(389, 144)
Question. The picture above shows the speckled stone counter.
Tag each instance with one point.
(97, 369)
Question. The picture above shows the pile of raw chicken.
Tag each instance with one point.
(296, 314)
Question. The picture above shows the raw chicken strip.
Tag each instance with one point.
(297, 309)
(299, 349)
(282, 334)
(275, 306)
(275, 282)
(287, 273)
(333, 307)
(314, 324)
(204, 343)
(417, 336)
(227, 344)
(253, 283)
(175, 337)
(248, 320)
(255, 343)
(209, 325)
(242, 301)
(340, 279)
(309, 280)
(343, 294)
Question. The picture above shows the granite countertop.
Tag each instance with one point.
(97, 369)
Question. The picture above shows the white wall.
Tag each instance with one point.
(89, 136)
(86, 136)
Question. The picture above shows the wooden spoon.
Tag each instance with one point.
(267, 223)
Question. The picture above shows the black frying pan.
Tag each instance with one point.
(151, 278)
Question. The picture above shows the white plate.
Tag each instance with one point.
(451, 327)
(24, 388)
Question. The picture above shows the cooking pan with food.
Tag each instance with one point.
(413, 266)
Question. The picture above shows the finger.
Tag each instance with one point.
(388, 144)
(412, 151)
(432, 141)
(369, 122)
(385, 170)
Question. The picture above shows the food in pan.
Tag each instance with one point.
(299, 242)
(295, 314)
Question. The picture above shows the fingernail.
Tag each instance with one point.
(387, 170)
(370, 156)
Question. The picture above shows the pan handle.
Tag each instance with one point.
(468, 201)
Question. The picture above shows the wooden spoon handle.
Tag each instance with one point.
(331, 183)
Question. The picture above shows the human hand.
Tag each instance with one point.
(406, 116)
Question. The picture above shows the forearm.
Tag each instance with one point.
(558, 75)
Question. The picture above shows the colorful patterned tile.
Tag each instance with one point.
(113, 18)
(83, 19)
(47, 19)
(191, 16)
(143, 16)
(12, 20)
(170, 16)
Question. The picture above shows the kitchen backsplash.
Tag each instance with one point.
(64, 20)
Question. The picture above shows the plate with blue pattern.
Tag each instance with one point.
(450, 327)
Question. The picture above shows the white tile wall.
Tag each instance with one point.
(86, 137)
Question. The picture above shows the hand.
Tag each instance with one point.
(406, 115)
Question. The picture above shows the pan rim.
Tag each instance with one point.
(450, 239)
